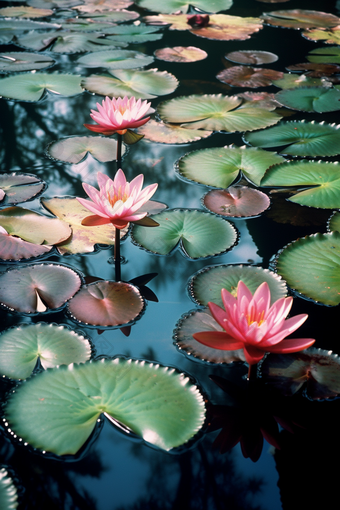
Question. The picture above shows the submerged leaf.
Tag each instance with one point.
(236, 202)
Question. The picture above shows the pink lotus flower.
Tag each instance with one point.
(117, 201)
(118, 115)
(253, 325)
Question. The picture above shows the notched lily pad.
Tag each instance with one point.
(236, 202)
(242, 76)
(52, 344)
(17, 187)
(13, 62)
(251, 57)
(310, 99)
(116, 59)
(168, 6)
(181, 54)
(38, 288)
(315, 371)
(15, 249)
(171, 133)
(12, 27)
(76, 149)
(197, 233)
(194, 322)
(330, 55)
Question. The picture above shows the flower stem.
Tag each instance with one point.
(119, 151)
(252, 372)
(117, 255)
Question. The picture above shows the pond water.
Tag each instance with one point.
(119, 472)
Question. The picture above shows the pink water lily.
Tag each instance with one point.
(251, 324)
(117, 201)
(119, 115)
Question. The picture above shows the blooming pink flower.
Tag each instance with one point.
(117, 201)
(251, 324)
(118, 115)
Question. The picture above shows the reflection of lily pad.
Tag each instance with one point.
(38, 288)
(315, 371)
(171, 133)
(18, 187)
(194, 322)
(199, 234)
(242, 76)
(311, 266)
(75, 149)
(183, 5)
(310, 99)
(8, 491)
(236, 202)
(206, 284)
(319, 180)
(300, 138)
(251, 57)
(220, 166)
(52, 344)
(216, 113)
(300, 18)
(116, 59)
(57, 410)
(181, 54)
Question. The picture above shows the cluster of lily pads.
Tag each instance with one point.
(73, 387)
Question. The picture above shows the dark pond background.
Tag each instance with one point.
(119, 473)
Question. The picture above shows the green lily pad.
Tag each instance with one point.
(300, 138)
(292, 80)
(19, 187)
(334, 222)
(140, 84)
(53, 344)
(57, 410)
(330, 36)
(24, 11)
(8, 491)
(84, 239)
(12, 27)
(32, 87)
(216, 113)
(135, 34)
(300, 18)
(194, 322)
(14, 61)
(86, 25)
(198, 234)
(236, 202)
(206, 284)
(330, 55)
(52, 4)
(310, 99)
(168, 6)
(311, 266)
(38, 288)
(102, 5)
(219, 167)
(112, 16)
(75, 149)
(116, 59)
(319, 180)
(171, 133)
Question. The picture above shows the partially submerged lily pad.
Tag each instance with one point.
(311, 267)
(310, 99)
(171, 133)
(18, 187)
(197, 233)
(76, 149)
(251, 57)
(38, 288)
(242, 76)
(181, 54)
(8, 491)
(52, 344)
(116, 59)
(206, 284)
(194, 322)
(12, 62)
(236, 202)
(300, 18)
(157, 403)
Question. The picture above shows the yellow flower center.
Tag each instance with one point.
(259, 318)
(118, 195)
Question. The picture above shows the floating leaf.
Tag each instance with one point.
(107, 304)
(12, 27)
(194, 322)
(102, 5)
(310, 99)
(322, 180)
(315, 371)
(19, 187)
(86, 25)
(300, 18)
(110, 16)
(198, 234)
(171, 133)
(8, 491)
(314, 69)
(38, 288)
(329, 55)
(76, 148)
(24, 11)
(52, 344)
(242, 76)
(139, 84)
(51, 4)
(330, 36)
(32, 87)
(236, 202)
(116, 59)
(84, 239)
(181, 54)
(206, 284)
(311, 266)
(300, 138)
(251, 57)
(15, 249)
(14, 61)
(168, 6)
(134, 34)
(220, 166)
(290, 81)
(57, 410)
(334, 222)
(216, 113)
(259, 100)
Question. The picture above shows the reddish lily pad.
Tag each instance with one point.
(181, 54)
(171, 133)
(194, 322)
(315, 371)
(24, 11)
(107, 304)
(300, 18)
(314, 69)
(17, 187)
(260, 100)
(251, 57)
(102, 5)
(38, 288)
(236, 202)
(14, 249)
(76, 149)
(242, 76)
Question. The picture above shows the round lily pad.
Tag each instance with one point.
(251, 77)
(116, 59)
(75, 149)
(311, 267)
(300, 138)
(134, 34)
(53, 344)
(171, 133)
(181, 54)
(24, 11)
(293, 80)
(328, 36)
(8, 491)
(300, 18)
(106, 304)
(13, 62)
(206, 284)
(236, 202)
(310, 99)
(112, 16)
(91, 6)
(14, 249)
(57, 410)
(183, 5)
(18, 187)
(251, 57)
(38, 288)
(198, 234)
(194, 322)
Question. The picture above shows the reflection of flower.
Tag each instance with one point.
(118, 115)
(253, 325)
(117, 201)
